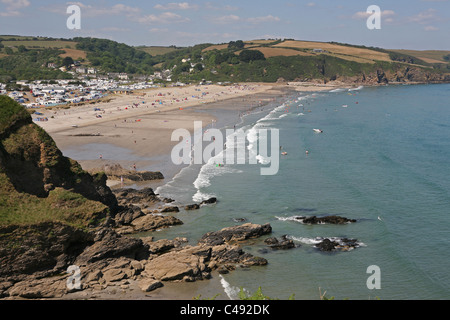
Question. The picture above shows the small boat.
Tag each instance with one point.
(284, 153)
(318, 130)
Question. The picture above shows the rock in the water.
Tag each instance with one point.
(325, 220)
(235, 233)
(192, 207)
(342, 244)
(209, 201)
(283, 243)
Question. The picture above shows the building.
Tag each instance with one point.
(80, 70)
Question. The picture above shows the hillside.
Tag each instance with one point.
(237, 61)
(37, 183)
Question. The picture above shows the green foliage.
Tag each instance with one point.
(67, 62)
(111, 56)
(31, 65)
(251, 55)
(447, 57)
(10, 113)
(239, 44)
(400, 57)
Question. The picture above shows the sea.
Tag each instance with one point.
(382, 159)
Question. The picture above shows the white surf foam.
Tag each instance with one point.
(356, 89)
(232, 292)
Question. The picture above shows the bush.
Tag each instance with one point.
(251, 55)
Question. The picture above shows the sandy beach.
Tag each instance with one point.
(135, 129)
(141, 122)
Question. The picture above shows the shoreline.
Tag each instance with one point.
(156, 157)
(142, 136)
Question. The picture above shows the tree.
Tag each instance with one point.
(251, 55)
(236, 44)
(447, 57)
(22, 49)
(67, 62)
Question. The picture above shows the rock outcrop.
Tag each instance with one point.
(111, 260)
(325, 220)
(341, 244)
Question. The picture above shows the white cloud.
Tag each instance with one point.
(364, 15)
(431, 28)
(94, 11)
(265, 19)
(234, 18)
(158, 30)
(212, 6)
(425, 17)
(13, 7)
(165, 17)
(227, 19)
(176, 6)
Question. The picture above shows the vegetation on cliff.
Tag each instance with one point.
(37, 183)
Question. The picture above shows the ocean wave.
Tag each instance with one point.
(338, 90)
(232, 292)
(313, 241)
(200, 196)
(298, 219)
(262, 160)
(291, 218)
(356, 89)
(215, 167)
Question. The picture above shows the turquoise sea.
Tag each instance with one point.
(382, 159)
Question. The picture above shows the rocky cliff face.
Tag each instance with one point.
(31, 162)
(403, 74)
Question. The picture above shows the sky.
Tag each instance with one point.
(413, 24)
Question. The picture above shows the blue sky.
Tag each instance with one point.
(415, 24)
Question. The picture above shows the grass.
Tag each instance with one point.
(36, 150)
(74, 54)
(275, 52)
(430, 56)
(338, 49)
(60, 206)
(11, 112)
